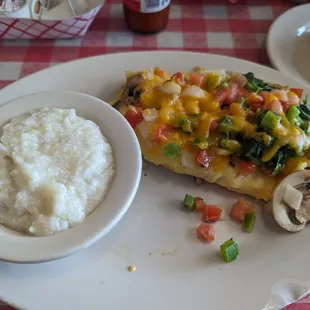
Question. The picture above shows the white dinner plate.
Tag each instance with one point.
(28, 249)
(173, 269)
(287, 50)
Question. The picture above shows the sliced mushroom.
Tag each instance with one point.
(130, 86)
(291, 201)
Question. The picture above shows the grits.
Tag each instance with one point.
(55, 168)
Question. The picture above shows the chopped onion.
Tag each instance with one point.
(150, 115)
(281, 94)
(170, 88)
(144, 128)
(193, 91)
(188, 159)
(223, 152)
(239, 79)
(150, 74)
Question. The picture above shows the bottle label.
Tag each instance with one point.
(147, 6)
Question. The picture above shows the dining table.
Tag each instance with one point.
(207, 26)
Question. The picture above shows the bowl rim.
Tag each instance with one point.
(128, 196)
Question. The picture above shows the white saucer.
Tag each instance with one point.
(283, 40)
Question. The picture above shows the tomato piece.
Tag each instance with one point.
(161, 133)
(240, 209)
(206, 233)
(297, 91)
(204, 158)
(200, 205)
(212, 213)
(243, 92)
(213, 126)
(275, 106)
(195, 79)
(179, 78)
(221, 94)
(285, 106)
(255, 101)
(264, 94)
(232, 95)
(244, 167)
(134, 117)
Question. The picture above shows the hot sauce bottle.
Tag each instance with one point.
(146, 16)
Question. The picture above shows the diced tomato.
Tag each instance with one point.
(212, 213)
(240, 209)
(243, 92)
(275, 106)
(161, 133)
(233, 94)
(244, 167)
(204, 158)
(285, 106)
(179, 78)
(206, 233)
(255, 101)
(297, 91)
(221, 94)
(200, 205)
(264, 94)
(213, 126)
(134, 117)
(196, 79)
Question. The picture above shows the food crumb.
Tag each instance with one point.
(150, 253)
(131, 268)
(145, 174)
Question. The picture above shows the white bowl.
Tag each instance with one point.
(19, 248)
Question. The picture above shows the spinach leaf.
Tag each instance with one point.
(304, 112)
(256, 85)
(253, 150)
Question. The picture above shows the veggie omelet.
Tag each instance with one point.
(227, 128)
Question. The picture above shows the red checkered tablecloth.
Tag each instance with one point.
(212, 26)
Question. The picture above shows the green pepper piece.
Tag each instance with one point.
(248, 222)
(186, 125)
(304, 112)
(202, 143)
(225, 84)
(229, 250)
(172, 150)
(270, 121)
(228, 144)
(292, 113)
(226, 124)
(189, 202)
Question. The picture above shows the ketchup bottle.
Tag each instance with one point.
(146, 16)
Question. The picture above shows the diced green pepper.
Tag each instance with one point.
(231, 145)
(229, 250)
(304, 112)
(270, 121)
(186, 125)
(305, 126)
(172, 150)
(202, 143)
(189, 202)
(226, 124)
(225, 84)
(292, 113)
(248, 222)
